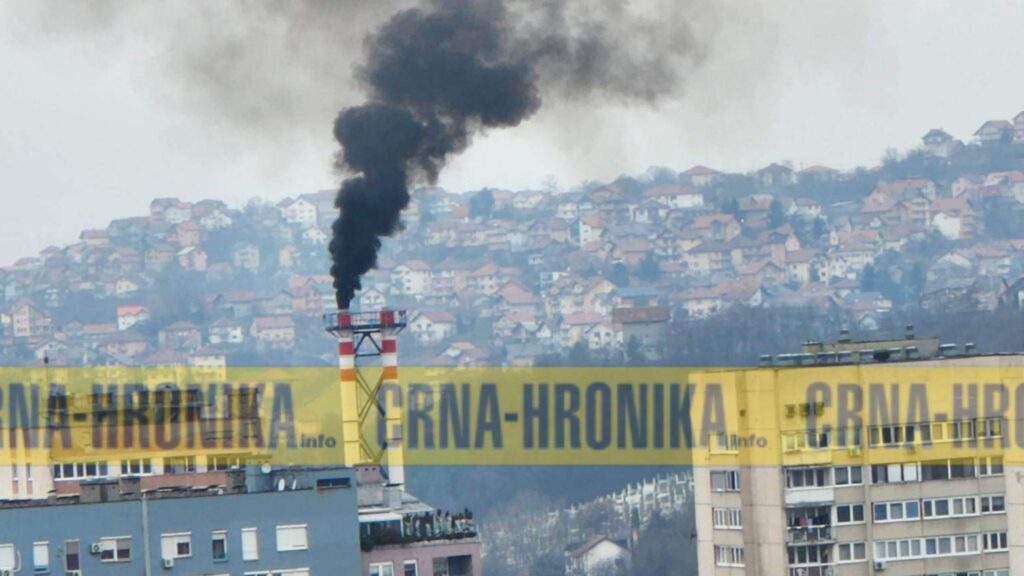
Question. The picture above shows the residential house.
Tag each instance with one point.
(599, 555)
(246, 256)
(29, 322)
(411, 278)
(277, 332)
(937, 142)
(676, 196)
(817, 173)
(299, 211)
(701, 175)
(128, 316)
(180, 335)
(775, 175)
(994, 132)
(432, 326)
(225, 331)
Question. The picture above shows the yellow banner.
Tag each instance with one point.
(519, 416)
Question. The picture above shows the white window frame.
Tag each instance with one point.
(250, 553)
(853, 506)
(415, 567)
(169, 543)
(851, 548)
(110, 544)
(727, 518)
(729, 556)
(284, 532)
(732, 480)
(221, 535)
(849, 475)
(995, 541)
(41, 561)
(378, 569)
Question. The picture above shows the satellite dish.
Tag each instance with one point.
(265, 467)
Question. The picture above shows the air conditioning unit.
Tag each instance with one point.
(95, 548)
(879, 565)
(168, 563)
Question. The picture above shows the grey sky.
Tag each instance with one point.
(106, 109)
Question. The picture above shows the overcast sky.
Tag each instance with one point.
(104, 110)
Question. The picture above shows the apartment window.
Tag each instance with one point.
(990, 428)
(948, 469)
(290, 538)
(808, 477)
(8, 558)
(180, 465)
(849, 513)
(990, 466)
(115, 549)
(137, 467)
(961, 430)
(72, 471)
(219, 543)
(852, 551)
(409, 568)
(250, 545)
(894, 473)
(41, 557)
(993, 504)
(1002, 572)
(176, 545)
(729, 555)
(382, 569)
(890, 435)
(71, 555)
(725, 480)
(225, 462)
(950, 507)
(897, 511)
(848, 475)
(727, 518)
(993, 541)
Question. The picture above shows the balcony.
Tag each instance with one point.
(809, 535)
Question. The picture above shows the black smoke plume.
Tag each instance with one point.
(438, 73)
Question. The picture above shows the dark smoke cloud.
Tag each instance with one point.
(438, 73)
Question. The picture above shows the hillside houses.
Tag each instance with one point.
(532, 272)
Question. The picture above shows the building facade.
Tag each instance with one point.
(854, 501)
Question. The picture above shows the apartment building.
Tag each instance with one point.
(777, 496)
(283, 522)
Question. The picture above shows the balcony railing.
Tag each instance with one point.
(809, 534)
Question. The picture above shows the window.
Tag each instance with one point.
(931, 546)
(225, 462)
(291, 538)
(71, 558)
(890, 435)
(1003, 572)
(990, 466)
(897, 511)
(176, 545)
(137, 467)
(729, 555)
(990, 428)
(180, 465)
(116, 549)
(848, 475)
(947, 507)
(382, 569)
(993, 504)
(894, 473)
(725, 480)
(7, 556)
(727, 518)
(41, 557)
(808, 477)
(849, 514)
(409, 568)
(220, 545)
(71, 471)
(995, 541)
(250, 545)
(852, 552)
(961, 430)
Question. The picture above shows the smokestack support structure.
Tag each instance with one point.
(362, 335)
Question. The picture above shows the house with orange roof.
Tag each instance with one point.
(701, 175)
(128, 316)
